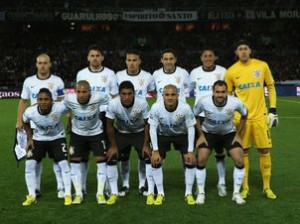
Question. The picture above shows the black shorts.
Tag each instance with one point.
(220, 141)
(180, 143)
(218, 150)
(82, 145)
(57, 150)
(126, 140)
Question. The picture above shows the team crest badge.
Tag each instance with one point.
(135, 112)
(218, 76)
(257, 73)
(178, 79)
(104, 79)
(179, 117)
(141, 82)
(55, 117)
(230, 112)
(50, 85)
(93, 107)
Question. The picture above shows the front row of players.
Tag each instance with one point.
(129, 123)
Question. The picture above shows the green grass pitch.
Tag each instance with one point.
(133, 209)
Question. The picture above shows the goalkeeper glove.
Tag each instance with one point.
(272, 118)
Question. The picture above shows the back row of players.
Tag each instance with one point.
(122, 116)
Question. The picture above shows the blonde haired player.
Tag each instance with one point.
(247, 78)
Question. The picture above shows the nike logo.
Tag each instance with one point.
(158, 81)
(32, 87)
(198, 78)
(237, 77)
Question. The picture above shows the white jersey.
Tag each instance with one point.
(143, 82)
(128, 120)
(171, 123)
(33, 84)
(48, 127)
(85, 120)
(219, 120)
(103, 81)
(202, 81)
(180, 78)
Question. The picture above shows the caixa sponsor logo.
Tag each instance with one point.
(9, 94)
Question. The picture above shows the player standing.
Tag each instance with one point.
(202, 80)
(103, 80)
(246, 79)
(171, 121)
(32, 85)
(171, 74)
(143, 83)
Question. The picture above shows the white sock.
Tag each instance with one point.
(112, 176)
(221, 171)
(158, 179)
(150, 179)
(38, 175)
(190, 174)
(58, 175)
(76, 178)
(201, 177)
(101, 177)
(84, 167)
(142, 173)
(30, 177)
(238, 177)
(124, 171)
(66, 176)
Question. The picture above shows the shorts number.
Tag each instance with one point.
(63, 147)
(103, 143)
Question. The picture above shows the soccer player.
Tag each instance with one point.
(101, 79)
(218, 131)
(48, 136)
(143, 83)
(171, 121)
(202, 80)
(127, 126)
(171, 74)
(42, 79)
(87, 135)
(246, 79)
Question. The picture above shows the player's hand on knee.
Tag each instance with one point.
(146, 151)
(155, 158)
(190, 158)
(272, 119)
(112, 153)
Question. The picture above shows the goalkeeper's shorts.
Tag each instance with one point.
(256, 132)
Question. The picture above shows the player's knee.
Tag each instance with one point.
(239, 162)
(147, 160)
(156, 165)
(200, 167)
(239, 167)
(100, 159)
(189, 166)
(112, 162)
(201, 161)
(264, 151)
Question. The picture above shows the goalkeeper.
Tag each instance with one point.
(247, 78)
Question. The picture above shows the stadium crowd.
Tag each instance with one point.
(68, 51)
